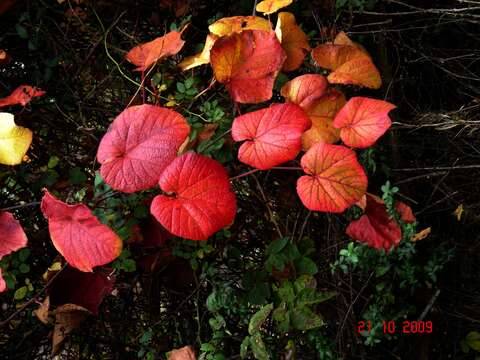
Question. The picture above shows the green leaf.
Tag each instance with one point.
(189, 83)
(20, 293)
(77, 176)
(24, 268)
(305, 265)
(258, 347)
(259, 293)
(180, 87)
(53, 161)
(21, 31)
(259, 318)
(305, 319)
(286, 292)
(129, 265)
(23, 254)
(276, 246)
(473, 340)
(244, 347)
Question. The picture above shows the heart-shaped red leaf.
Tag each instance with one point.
(147, 54)
(22, 95)
(273, 135)
(248, 63)
(138, 145)
(83, 289)
(362, 121)
(78, 235)
(13, 237)
(375, 227)
(334, 181)
(304, 90)
(201, 201)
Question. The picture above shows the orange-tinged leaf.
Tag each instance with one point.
(78, 235)
(375, 227)
(200, 58)
(273, 135)
(14, 140)
(184, 353)
(321, 113)
(294, 41)
(138, 145)
(335, 180)
(304, 90)
(458, 212)
(362, 121)
(271, 6)
(147, 54)
(235, 24)
(343, 39)
(13, 237)
(248, 63)
(22, 95)
(198, 200)
(421, 234)
(350, 65)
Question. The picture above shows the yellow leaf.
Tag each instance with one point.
(14, 140)
(458, 212)
(270, 6)
(421, 234)
(293, 40)
(56, 266)
(236, 24)
(201, 58)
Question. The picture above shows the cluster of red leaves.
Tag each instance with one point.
(21, 95)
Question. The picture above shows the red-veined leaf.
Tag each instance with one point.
(322, 112)
(304, 89)
(21, 95)
(293, 40)
(138, 145)
(405, 212)
(3, 284)
(13, 237)
(362, 121)
(147, 54)
(236, 24)
(273, 135)
(198, 200)
(87, 290)
(334, 181)
(248, 63)
(375, 227)
(78, 235)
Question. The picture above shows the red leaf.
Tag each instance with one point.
(21, 95)
(138, 145)
(3, 285)
(147, 54)
(154, 234)
(78, 235)
(304, 90)
(273, 135)
(87, 290)
(405, 212)
(335, 179)
(362, 121)
(202, 201)
(13, 236)
(375, 227)
(248, 63)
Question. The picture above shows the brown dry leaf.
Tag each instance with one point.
(294, 41)
(42, 313)
(207, 132)
(68, 317)
(184, 353)
(421, 234)
(200, 58)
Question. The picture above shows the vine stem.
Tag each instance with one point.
(33, 299)
(34, 203)
(273, 168)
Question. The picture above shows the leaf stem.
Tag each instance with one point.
(34, 203)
